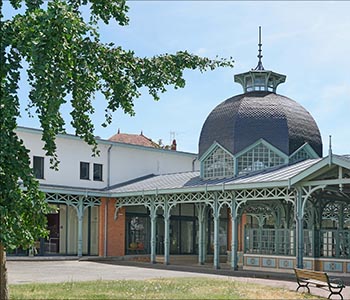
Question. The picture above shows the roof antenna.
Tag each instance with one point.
(260, 66)
(330, 153)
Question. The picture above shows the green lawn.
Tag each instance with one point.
(165, 288)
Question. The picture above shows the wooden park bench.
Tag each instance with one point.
(319, 280)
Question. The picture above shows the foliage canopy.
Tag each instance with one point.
(66, 61)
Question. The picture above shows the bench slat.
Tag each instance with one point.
(306, 274)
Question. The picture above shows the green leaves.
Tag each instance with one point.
(68, 63)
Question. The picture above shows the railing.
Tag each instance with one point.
(334, 243)
(317, 243)
(269, 241)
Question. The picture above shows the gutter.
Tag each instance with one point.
(206, 188)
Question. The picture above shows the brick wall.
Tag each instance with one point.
(240, 232)
(115, 229)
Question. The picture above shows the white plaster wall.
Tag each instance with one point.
(70, 152)
(127, 161)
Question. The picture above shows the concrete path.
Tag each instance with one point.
(21, 272)
(63, 271)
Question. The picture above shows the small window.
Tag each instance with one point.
(258, 158)
(97, 172)
(84, 170)
(218, 164)
(38, 167)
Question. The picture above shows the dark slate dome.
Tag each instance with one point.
(241, 120)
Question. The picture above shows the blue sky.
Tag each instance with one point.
(307, 41)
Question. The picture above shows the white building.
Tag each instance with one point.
(84, 175)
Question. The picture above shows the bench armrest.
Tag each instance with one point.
(337, 282)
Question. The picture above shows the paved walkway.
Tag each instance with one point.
(21, 272)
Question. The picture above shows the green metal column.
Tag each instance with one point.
(234, 235)
(80, 214)
(261, 220)
(300, 229)
(201, 240)
(339, 244)
(277, 228)
(216, 216)
(166, 216)
(313, 228)
(153, 216)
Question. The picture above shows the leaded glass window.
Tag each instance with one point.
(218, 164)
(302, 154)
(258, 158)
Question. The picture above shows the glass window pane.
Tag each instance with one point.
(301, 155)
(187, 209)
(258, 158)
(97, 172)
(219, 164)
(136, 209)
(187, 229)
(84, 170)
(137, 234)
(94, 230)
(38, 167)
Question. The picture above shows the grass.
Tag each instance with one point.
(164, 288)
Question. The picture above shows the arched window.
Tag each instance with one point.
(218, 164)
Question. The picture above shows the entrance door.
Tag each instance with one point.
(52, 244)
(182, 236)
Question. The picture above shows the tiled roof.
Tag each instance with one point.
(241, 120)
(193, 180)
(134, 139)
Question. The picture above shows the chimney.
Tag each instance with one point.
(173, 145)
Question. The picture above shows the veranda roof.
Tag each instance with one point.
(191, 181)
(282, 176)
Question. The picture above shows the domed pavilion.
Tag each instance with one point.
(260, 195)
(263, 197)
(256, 130)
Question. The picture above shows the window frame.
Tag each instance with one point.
(217, 163)
(38, 172)
(259, 156)
(95, 178)
(84, 163)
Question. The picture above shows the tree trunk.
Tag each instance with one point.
(4, 293)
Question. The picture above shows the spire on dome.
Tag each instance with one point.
(260, 65)
(259, 79)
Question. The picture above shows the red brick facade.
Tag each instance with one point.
(115, 242)
(240, 232)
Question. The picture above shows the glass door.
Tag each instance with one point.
(182, 236)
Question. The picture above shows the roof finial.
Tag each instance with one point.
(260, 65)
(330, 152)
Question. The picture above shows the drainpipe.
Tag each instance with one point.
(193, 164)
(107, 201)
(105, 229)
(109, 166)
